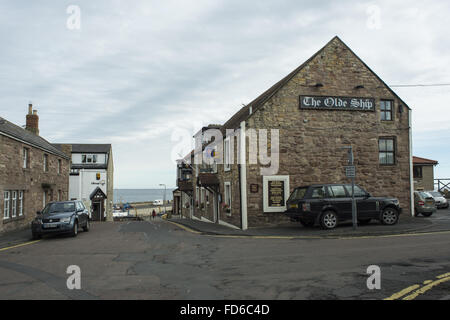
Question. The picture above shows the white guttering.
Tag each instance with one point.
(411, 178)
(243, 182)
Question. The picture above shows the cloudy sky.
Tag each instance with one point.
(143, 74)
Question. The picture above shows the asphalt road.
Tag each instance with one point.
(158, 260)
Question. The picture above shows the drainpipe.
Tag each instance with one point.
(243, 177)
(411, 177)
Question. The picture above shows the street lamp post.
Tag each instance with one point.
(164, 198)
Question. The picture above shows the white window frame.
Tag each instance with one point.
(90, 158)
(25, 157)
(227, 154)
(44, 199)
(6, 205)
(14, 204)
(228, 196)
(266, 180)
(45, 162)
(20, 203)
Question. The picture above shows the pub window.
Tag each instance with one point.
(227, 197)
(386, 151)
(227, 152)
(386, 110)
(26, 163)
(6, 204)
(45, 162)
(89, 158)
(417, 172)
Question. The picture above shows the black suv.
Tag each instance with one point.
(328, 204)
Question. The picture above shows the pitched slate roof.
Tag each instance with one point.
(13, 131)
(418, 160)
(88, 148)
(244, 113)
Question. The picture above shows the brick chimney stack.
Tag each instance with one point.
(32, 124)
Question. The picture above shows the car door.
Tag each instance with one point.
(339, 199)
(365, 206)
(80, 213)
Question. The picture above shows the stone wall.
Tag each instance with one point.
(310, 140)
(30, 180)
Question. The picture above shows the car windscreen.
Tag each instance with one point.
(52, 208)
(424, 195)
(298, 193)
(435, 194)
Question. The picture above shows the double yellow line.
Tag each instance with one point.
(414, 291)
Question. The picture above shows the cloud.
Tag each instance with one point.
(137, 71)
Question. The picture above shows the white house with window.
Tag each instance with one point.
(91, 178)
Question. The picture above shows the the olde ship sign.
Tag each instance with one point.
(337, 103)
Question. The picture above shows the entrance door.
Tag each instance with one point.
(96, 211)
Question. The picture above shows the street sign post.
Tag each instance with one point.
(350, 172)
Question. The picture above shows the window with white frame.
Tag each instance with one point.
(14, 204)
(20, 204)
(45, 162)
(227, 198)
(44, 199)
(6, 204)
(25, 158)
(227, 154)
(89, 158)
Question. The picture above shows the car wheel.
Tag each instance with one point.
(389, 216)
(307, 223)
(75, 229)
(363, 221)
(427, 214)
(329, 220)
(86, 228)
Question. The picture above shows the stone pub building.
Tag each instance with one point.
(33, 172)
(332, 100)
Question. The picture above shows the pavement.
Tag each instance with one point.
(440, 221)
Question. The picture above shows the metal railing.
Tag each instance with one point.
(442, 185)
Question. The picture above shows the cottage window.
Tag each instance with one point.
(25, 158)
(6, 204)
(14, 204)
(59, 166)
(386, 151)
(45, 162)
(20, 204)
(386, 110)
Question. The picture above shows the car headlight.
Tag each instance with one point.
(66, 220)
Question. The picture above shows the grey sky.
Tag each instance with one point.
(139, 72)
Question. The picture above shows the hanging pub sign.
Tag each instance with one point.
(337, 103)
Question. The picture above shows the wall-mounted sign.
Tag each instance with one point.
(254, 188)
(275, 193)
(337, 103)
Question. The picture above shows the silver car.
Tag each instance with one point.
(439, 199)
(423, 204)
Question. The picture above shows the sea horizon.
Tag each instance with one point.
(141, 195)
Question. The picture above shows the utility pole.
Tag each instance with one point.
(350, 172)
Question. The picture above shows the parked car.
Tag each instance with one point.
(439, 199)
(158, 202)
(61, 217)
(424, 204)
(329, 204)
